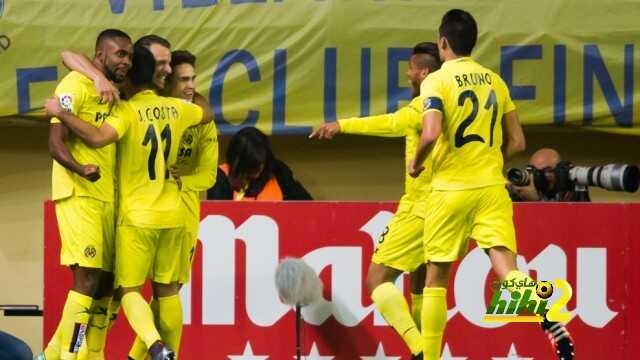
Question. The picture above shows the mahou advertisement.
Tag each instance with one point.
(232, 310)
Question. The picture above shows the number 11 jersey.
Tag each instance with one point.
(472, 100)
(148, 126)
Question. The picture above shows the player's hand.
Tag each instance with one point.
(326, 131)
(526, 193)
(109, 94)
(175, 175)
(90, 172)
(413, 170)
(52, 107)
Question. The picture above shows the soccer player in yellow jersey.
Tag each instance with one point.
(194, 172)
(197, 163)
(468, 110)
(160, 48)
(84, 200)
(150, 227)
(400, 246)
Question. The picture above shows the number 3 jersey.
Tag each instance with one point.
(472, 100)
(148, 126)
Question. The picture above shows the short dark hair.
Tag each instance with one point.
(149, 40)
(110, 34)
(248, 149)
(460, 30)
(427, 56)
(142, 66)
(179, 57)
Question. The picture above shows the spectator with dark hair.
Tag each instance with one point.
(251, 172)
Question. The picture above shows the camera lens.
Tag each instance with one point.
(518, 177)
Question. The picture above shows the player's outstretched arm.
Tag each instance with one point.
(385, 125)
(58, 150)
(92, 136)
(109, 93)
(513, 136)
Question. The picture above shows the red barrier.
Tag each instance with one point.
(232, 303)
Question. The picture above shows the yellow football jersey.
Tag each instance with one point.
(472, 100)
(197, 164)
(148, 126)
(78, 95)
(407, 123)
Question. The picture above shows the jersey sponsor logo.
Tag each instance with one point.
(101, 117)
(66, 102)
(90, 251)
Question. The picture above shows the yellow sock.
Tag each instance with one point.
(52, 351)
(139, 349)
(394, 308)
(170, 321)
(73, 323)
(97, 329)
(434, 320)
(114, 309)
(416, 309)
(140, 317)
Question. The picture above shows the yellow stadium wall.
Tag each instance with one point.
(347, 168)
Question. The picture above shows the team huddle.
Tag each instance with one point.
(130, 212)
(128, 172)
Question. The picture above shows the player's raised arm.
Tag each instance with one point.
(109, 93)
(59, 152)
(514, 141)
(92, 136)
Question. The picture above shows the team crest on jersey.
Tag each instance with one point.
(90, 251)
(66, 102)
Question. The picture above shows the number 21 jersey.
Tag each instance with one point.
(472, 100)
(148, 126)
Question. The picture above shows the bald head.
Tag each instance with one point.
(544, 158)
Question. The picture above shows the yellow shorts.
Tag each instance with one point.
(188, 250)
(143, 253)
(484, 215)
(87, 232)
(400, 245)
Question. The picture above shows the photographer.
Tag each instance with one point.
(547, 180)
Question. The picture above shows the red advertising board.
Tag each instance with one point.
(232, 311)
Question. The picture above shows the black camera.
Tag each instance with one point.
(521, 177)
